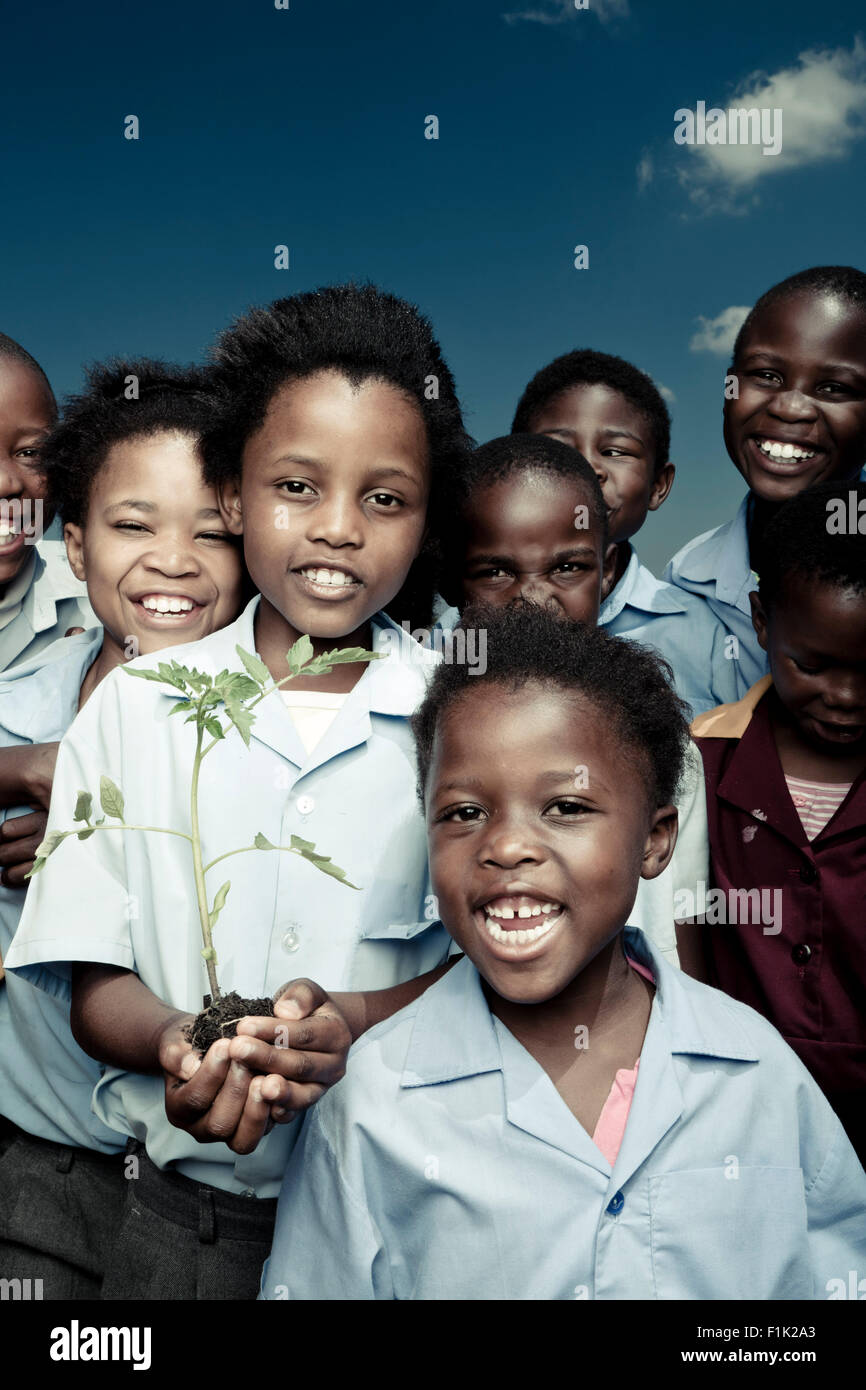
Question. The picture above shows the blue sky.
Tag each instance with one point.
(305, 126)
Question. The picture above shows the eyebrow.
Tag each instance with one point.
(830, 368)
(377, 474)
(544, 779)
(575, 552)
(150, 507)
(610, 431)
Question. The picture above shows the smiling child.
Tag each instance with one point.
(40, 599)
(786, 785)
(555, 1119)
(798, 418)
(328, 457)
(615, 417)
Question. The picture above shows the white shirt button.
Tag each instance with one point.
(291, 939)
(305, 804)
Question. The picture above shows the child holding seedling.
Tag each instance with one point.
(614, 415)
(61, 1175)
(795, 416)
(786, 787)
(40, 599)
(514, 540)
(329, 459)
(563, 1116)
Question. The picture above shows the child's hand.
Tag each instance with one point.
(302, 1049)
(215, 1099)
(20, 838)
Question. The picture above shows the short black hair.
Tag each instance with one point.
(843, 281)
(500, 459)
(585, 367)
(9, 348)
(802, 541)
(123, 399)
(630, 683)
(365, 334)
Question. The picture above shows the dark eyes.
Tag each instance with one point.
(565, 807)
(32, 454)
(296, 487)
(138, 529)
(807, 670)
(771, 378)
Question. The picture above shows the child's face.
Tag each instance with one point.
(535, 802)
(617, 440)
(801, 378)
(154, 538)
(26, 415)
(815, 640)
(332, 501)
(526, 539)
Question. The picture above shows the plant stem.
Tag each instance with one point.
(198, 869)
(286, 849)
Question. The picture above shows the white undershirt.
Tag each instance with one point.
(313, 712)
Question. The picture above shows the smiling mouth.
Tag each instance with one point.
(168, 606)
(328, 582)
(845, 733)
(532, 917)
(10, 536)
(783, 451)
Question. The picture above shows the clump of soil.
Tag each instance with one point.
(220, 1020)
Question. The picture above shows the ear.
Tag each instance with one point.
(759, 620)
(662, 486)
(73, 537)
(229, 503)
(608, 573)
(660, 841)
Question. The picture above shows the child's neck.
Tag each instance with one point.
(274, 636)
(109, 656)
(623, 559)
(800, 758)
(759, 516)
(586, 1034)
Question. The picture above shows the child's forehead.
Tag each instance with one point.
(24, 392)
(526, 488)
(590, 402)
(822, 609)
(809, 322)
(520, 713)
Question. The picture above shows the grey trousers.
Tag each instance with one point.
(59, 1212)
(180, 1239)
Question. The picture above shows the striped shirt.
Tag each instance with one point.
(816, 802)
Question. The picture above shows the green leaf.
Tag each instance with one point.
(237, 686)
(214, 727)
(145, 675)
(321, 861)
(51, 841)
(85, 834)
(199, 680)
(83, 806)
(180, 705)
(301, 652)
(255, 666)
(322, 665)
(174, 675)
(242, 718)
(219, 903)
(110, 798)
(262, 842)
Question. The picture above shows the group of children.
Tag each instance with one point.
(603, 978)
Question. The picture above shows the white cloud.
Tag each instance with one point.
(560, 11)
(666, 392)
(823, 103)
(717, 335)
(645, 171)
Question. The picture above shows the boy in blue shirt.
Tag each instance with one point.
(798, 417)
(329, 458)
(563, 1115)
(40, 598)
(614, 415)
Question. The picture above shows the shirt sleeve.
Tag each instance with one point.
(76, 907)
(836, 1211)
(326, 1244)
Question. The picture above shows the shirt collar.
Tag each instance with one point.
(722, 556)
(454, 1035)
(13, 599)
(731, 721)
(639, 588)
(39, 698)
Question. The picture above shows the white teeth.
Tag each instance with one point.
(164, 603)
(524, 912)
(525, 935)
(773, 449)
(334, 579)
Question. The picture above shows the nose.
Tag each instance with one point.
(173, 556)
(535, 589)
(509, 844)
(793, 405)
(11, 476)
(847, 691)
(335, 521)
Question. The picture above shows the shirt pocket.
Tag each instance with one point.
(730, 1232)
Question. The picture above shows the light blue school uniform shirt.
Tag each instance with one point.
(447, 1166)
(715, 567)
(46, 1081)
(128, 899)
(41, 603)
(680, 627)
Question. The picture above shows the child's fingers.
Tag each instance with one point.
(327, 1032)
(16, 877)
(289, 1098)
(325, 1067)
(254, 1122)
(223, 1116)
(186, 1101)
(298, 999)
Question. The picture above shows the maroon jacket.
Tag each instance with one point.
(809, 979)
